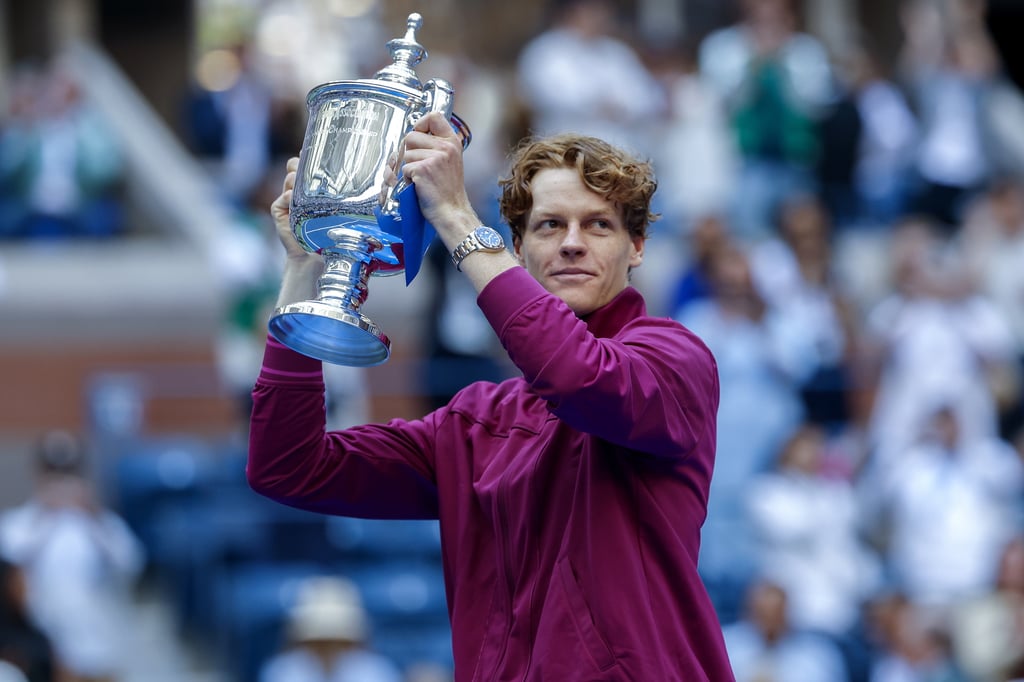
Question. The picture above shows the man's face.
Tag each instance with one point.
(575, 242)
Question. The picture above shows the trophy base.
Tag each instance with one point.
(330, 333)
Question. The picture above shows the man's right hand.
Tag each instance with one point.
(280, 211)
(301, 268)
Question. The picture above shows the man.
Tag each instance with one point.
(570, 499)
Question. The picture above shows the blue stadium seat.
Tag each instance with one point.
(400, 591)
(369, 538)
(250, 606)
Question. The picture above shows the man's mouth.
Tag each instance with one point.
(572, 272)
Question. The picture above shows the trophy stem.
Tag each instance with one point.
(347, 268)
(345, 282)
(331, 327)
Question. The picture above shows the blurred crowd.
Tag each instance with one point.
(846, 235)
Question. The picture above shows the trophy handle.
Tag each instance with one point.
(440, 95)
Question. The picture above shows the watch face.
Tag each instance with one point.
(489, 237)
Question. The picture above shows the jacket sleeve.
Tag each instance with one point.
(370, 471)
(653, 387)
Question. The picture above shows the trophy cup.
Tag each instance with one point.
(342, 207)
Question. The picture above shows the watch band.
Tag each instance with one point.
(483, 238)
(463, 249)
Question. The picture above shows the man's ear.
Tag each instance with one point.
(517, 249)
(637, 257)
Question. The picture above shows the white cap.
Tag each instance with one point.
(328, 608)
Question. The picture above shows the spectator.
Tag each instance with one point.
(775, 81)
(578, 77)
(761, 363)
(695, 133)
(763, 645)
(889, 130)
(797, 277)
(948, 506)
(809, 525)
(80, 560)
(918, 651)
(708, 236)
(235, 119)
(880, 623)
(760, 357)
(327, 633)
(23, 646)
(61, 164)
(951, 67)
(988, 632)
(839, 131)
(992, 241)
(933, 335)
(23, 86)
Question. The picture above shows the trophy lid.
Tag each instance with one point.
(406, 53)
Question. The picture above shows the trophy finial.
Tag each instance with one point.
(412, 24)
(406, 53)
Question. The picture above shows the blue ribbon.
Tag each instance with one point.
(412, 227)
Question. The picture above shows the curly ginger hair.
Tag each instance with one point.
(626, 181)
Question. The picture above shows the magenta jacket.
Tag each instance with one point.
(570, 500)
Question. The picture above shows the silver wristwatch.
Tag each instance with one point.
(482, 238)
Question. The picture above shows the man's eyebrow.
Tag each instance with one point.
(539, 217)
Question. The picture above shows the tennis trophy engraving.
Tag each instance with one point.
(343, 208)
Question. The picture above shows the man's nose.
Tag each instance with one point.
(572, 243)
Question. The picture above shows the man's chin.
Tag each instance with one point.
(582, 307)
(575, 297)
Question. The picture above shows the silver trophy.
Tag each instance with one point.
(340, 189)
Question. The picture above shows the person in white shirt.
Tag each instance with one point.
(579, 77)
(934, 335)
(808, 525)
(949, 504)
(80, 561)
(764, 646)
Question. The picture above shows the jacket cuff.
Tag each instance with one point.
(282, 365)
(507, 294)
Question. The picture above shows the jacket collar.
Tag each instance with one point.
(609, 319)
